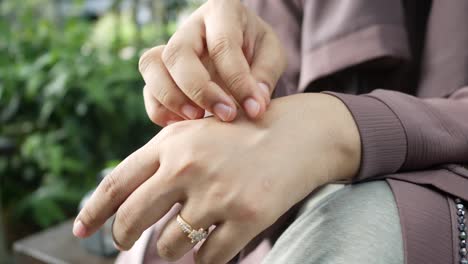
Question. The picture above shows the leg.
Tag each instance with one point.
(355, 224)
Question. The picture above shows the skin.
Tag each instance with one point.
(239, 176)
(222, 57)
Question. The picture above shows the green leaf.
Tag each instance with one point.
(57, 87)
(11, 108)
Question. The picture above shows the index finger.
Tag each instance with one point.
(182, 58)
(225, 42)
(115, 188)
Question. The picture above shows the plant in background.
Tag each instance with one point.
(71, 103)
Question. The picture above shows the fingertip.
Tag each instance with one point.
(79, 230)
(191, 112)
(224, 112)
(252, 107)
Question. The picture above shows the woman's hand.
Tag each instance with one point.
(238, 176)
(221, 56)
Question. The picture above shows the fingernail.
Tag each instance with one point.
(79, 229)
(189, 111)
(266, 92)
(251, 107)
(223, 111)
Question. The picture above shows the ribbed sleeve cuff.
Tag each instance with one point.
(383, 139)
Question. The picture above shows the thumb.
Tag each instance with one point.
(268, 63)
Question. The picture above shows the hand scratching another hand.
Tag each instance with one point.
(222, 57)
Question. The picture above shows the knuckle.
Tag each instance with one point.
(243, 210)
(218, 194)
(237, 81)
(165, 251)
(171, 54)
(167, 98)
(183, 170)
(166, 133)
(164, 137)
(175, 129)
(162, 95)
(110, 186)
(87, 217)
(149, 57)
(180, 126)
(219, 48)
(188, 166)
(197, 92)
(169, 135)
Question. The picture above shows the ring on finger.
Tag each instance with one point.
(192, 233)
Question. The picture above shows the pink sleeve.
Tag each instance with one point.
(400, 132)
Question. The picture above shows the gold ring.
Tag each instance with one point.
(194, 235)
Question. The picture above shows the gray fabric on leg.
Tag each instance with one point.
(356, 224)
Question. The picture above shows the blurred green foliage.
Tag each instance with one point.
(72, 103)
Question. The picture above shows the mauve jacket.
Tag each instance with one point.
(401, 67)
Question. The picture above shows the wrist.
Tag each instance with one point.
(326, 138)
(346, 140)
(338, 139)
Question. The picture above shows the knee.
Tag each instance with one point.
(357, 224)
